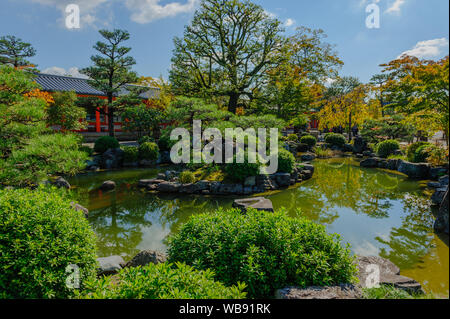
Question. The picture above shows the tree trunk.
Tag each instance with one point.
(111, 130)
(232, 105)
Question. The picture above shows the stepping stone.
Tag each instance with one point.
(258, 203)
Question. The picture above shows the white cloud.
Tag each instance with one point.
(396, 6)
(73, 72)
(289, 23)
(428, 49)
(145, 11)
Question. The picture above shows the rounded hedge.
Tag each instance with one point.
(422, 153)
(148, 151)
(130, 154)
(309, 140)
(40, 236)
(286, 161)
(240, 171)
(335, 139)
(265, 250)
(411, 151)
(388, 147)
(162, 281)
(165, 143)
(146, 139)
(104, 143)
(292, 137)
(187, 177)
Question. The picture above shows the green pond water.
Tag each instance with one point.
(378, 212)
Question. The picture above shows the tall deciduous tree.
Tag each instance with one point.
(112, 69)
(345, 105)
(225, 50)
(420, 86)
(15, 52)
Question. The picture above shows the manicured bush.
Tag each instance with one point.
(148, 151)
(422, 153)
(335, 139)
(165, 144)
(309, 140)
(187, 177)
(292, 137)
(411, 151)
(386, 148)
(162, 281)
(104, 143)
(40, 235)
(146, 139)
(240, 171)
(131, 154)
(286, 161)
(265, 250)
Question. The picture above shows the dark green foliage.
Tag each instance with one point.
(240, 171)
(411, 151)
(148, 151)
(14, 51)
(292, 137)
(164, 142)
(265, 250)
(335, 139)
(386, 148)
(162, 281)
(86, 149)
(105, 143)
(391, 127)
(310, 140)
(40, 235)
(145, 139)
(131, 154)
(286, 161)
(422, 153)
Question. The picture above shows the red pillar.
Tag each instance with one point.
(97, 122)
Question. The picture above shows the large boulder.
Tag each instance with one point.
(308, 157)
(146, 182)
(441, 223)
(61, 183)
(258, 203)
(437, 172)
(80, 208)
(146, 257)
(370, 162)
(110, 265)
(112, 158)
(415, 170)
(359, 145)
(345, 291)
(108, 186)
(234, 189)
(168, 187)
(283, 179)
(389, 274)
(438, 197)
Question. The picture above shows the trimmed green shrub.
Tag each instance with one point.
(265, 250)
(309, 140)
(131, 154)
(422, 153)
(386, 148)
(148, 151)
(40, 235)
(286, 161)
(187, 177)
(165, 144)
(411, 151)
(162, 281)
(292, 137)
(104, 143)
(335, 139)
(146, 139)
(240, 171)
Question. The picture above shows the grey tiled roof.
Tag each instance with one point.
(58, 83)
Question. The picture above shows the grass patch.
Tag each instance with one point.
(390, 292)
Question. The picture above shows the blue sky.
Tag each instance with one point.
(419, 27)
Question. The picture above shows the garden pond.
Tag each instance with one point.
(377, 212)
